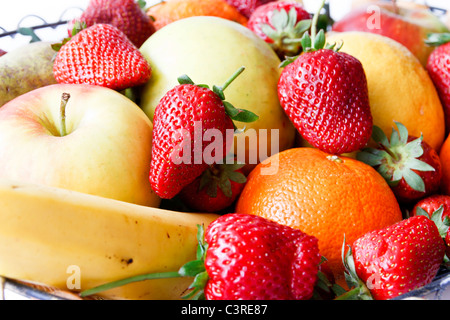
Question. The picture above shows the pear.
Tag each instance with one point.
(25, 68)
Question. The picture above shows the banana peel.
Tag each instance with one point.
(75, 241)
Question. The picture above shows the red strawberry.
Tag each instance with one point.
(252, 258)
(409, 164)
(447, 244)
(101, 55)
(394, 260)
(280, 23)
(437, 208)
(183, 114)
(246, 257)
(324, 93)
(2, 52)
(431, 204)
(126, 15)
(438, 67)
(246, 7)
(216, 189)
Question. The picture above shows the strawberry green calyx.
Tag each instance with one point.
(142, 4)
(196, 268)
(397, 158)
(235, 114)
(358, 290)
(317, 39)
(77, 27)
(220, 176)
(437, 39)
(286, 34)
(314, 41)
(442, 223)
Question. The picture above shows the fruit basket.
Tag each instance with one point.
(56, 29)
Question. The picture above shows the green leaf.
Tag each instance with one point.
(379, 136)
(237, 177)
(337, 289)
(202, 245)
(306, 41)
(414, 180)
(287, 60)
(437, 39)
(441, 222)
(77, 27)
(269, 31)
(245, 116)
(395, 138)
(319, 41)
(211, 188)
(29, 32)
(184, 79)
(230, 167)
(230, 109)
(292, 18)
(330, 46)
(197, 287)
(419, 165)
(219, 91)
(421, 212)
(192, 268)
(279, 19)
(351, 276)
(141, 3)
(200, 280)
(302, 26)
(414, 148)
(225, 186)
(403, 132)
(372, 157)
(386, 172)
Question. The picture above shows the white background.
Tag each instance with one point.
(13, 13)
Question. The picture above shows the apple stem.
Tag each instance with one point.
(64, 99)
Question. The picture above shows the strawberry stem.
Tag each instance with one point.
(233, 76)
(122, 282)
(314, 22)
(64, 99)
(357, 293)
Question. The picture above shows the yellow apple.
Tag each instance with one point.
(105, 151)
(209, 50)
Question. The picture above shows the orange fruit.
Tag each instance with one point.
(326, 196)
(444, 155)
(169, 11)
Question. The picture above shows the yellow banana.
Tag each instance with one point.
(72, 240)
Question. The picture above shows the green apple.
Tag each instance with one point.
(99, 143)
(26, 68)
(209, 50)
